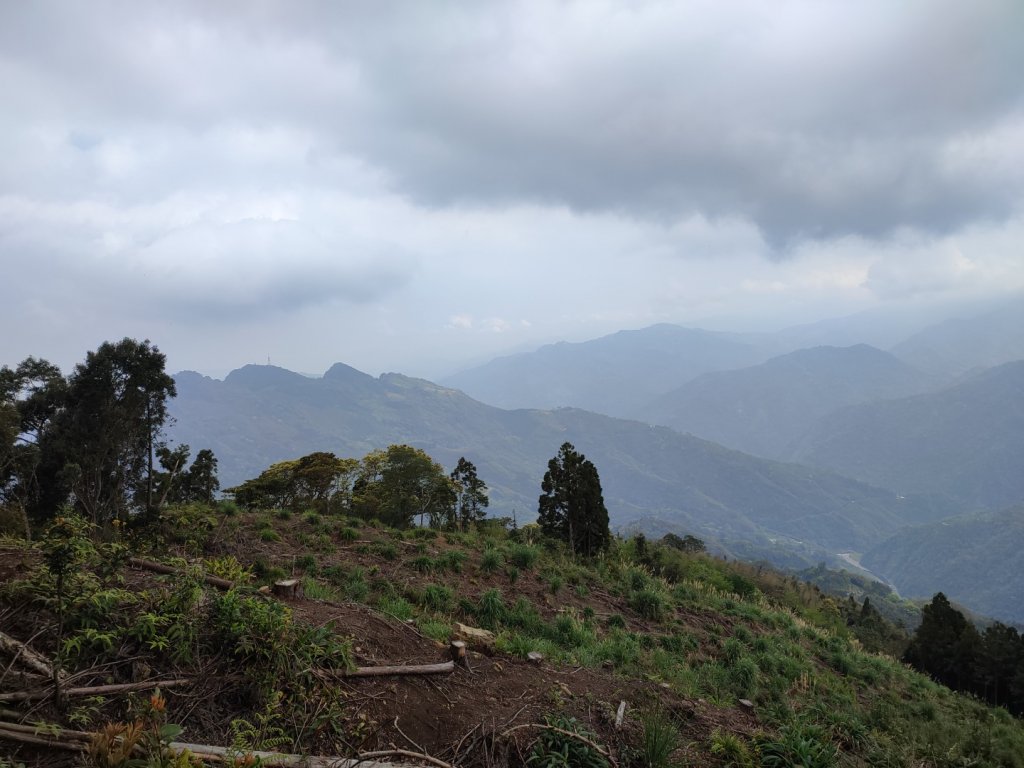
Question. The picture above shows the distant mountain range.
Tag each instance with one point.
(964, 345)
(626, 374)
(901, 438)
(763, 409)
(616, 374)
(262, 414)
(977, 560)
(966, 441)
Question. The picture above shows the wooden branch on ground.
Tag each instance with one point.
(443, 668)
(95, 690)
(78, 741)
(150, 565)
(26, 656)
(404, 753)
(40, 740)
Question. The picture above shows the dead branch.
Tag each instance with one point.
(41, 740)
(150, 565)
(443, 668)
(77, 741)
(404, 753)
(28, 658)
(95, 690)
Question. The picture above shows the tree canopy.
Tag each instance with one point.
(94, 437)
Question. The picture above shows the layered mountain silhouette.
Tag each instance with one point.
(965, 441)
(960, 346)
(763, 409)
(615, 374)
(262, 414)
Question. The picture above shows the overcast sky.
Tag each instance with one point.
(406, 186)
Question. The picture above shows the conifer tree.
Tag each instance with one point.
(471, 499)
(571, 505)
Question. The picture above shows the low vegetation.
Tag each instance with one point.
(719, 663)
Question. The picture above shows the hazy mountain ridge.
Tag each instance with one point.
(961, 345)
(763, 409)
(958, 557)
(964, 441)
(260, 415)
(614, 374)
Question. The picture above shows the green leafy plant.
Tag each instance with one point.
(556, 747)
(658, 740)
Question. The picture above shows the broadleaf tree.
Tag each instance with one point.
(571, 506)
(101, 444)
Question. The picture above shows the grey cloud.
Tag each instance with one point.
(812, 119)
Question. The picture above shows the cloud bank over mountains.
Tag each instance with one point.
(409, 184)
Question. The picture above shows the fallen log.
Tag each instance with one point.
(41, 741)
(443, 668)
(215, 754)
(26, 656)
(150, 565)
(95, 690)
(78, 741)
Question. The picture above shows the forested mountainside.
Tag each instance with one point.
(977, 560)
(260, 414)
(763, 409)
(964, 441)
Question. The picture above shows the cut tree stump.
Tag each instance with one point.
(457, 648)
(288, 589)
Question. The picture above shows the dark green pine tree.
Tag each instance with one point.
(471, 499)
(571, 505)
(945, 645)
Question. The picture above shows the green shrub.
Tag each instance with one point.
(386, 550)
(556, 750)
(491, 560)
(649, 603)
(227, 507)
(306, 563)
(658, 740)
(615, 621)
(423, 564)
(348, 534)
(801, 745)
(452, 560)
(438, 598)
(523, 556)
(730, 749)
(490, 609)
(435, 628)
(398, 607)
(356, 588)
(283, 514)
